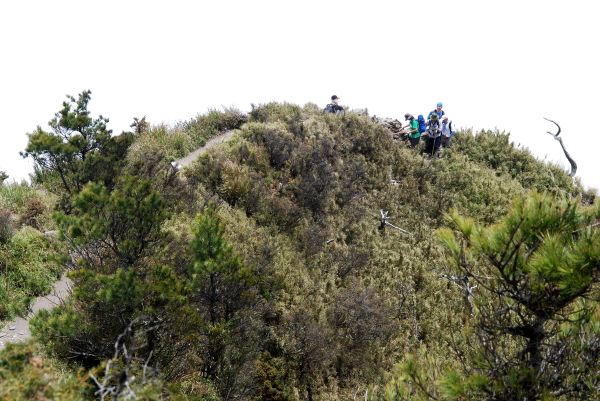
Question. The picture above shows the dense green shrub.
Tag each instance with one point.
(28, 204)
(29, 264)
(27, 374)
(495, 150)
(15, 196)
(206, 126)
(6, 226)
(535, 323)
(289, 114)
(157, 144)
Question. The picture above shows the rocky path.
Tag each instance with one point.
(18, 329)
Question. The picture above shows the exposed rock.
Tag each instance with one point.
(394, 126)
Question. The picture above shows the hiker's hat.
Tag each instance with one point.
(445, 117)
(408, 116)
(440, 104)
(334, 97)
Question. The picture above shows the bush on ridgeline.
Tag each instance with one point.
(494, 150)
(205, 126)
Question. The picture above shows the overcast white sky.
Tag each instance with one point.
(502, 64)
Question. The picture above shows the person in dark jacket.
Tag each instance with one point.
(334, 107)
(434, 134)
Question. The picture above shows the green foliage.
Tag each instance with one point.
(284, 288)
(27, 205)
(6, 226)
(123, 223)
(208, 125)
(3, 177)
(26, 374)
(29, 264)
(79, 149)
(271, 378)
(157, 144)
(15, 196)
(221, 287)
(113, 234)
(537, 279)
(494, 150)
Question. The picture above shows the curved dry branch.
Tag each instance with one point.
(559, 139)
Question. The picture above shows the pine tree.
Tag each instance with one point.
(114, 227)
(221, 286)
(535, 334)
(537, 314)
(79, 149)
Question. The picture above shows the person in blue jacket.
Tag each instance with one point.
(438, 110)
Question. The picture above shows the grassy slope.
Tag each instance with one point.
(28, 260)
(304, 191)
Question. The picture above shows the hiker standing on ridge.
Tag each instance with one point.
(435, 136)
(414, 136)
(447, 132)
(334, 107)
(438, 110)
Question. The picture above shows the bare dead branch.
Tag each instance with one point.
(463, 283)
(567, 155)
(385, 222)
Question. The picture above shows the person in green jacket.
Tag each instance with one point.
(414, 136)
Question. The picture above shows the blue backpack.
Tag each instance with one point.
(422, 124)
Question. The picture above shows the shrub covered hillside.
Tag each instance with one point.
(29, 260)
(264, 272)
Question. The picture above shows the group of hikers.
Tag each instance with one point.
(436, 131)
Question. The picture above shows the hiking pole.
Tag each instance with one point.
(433, 146)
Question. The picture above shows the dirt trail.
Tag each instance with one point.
(18, 329)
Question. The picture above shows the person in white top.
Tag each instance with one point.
(447, 132)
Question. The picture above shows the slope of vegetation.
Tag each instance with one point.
(29, 261)
(263, 273)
